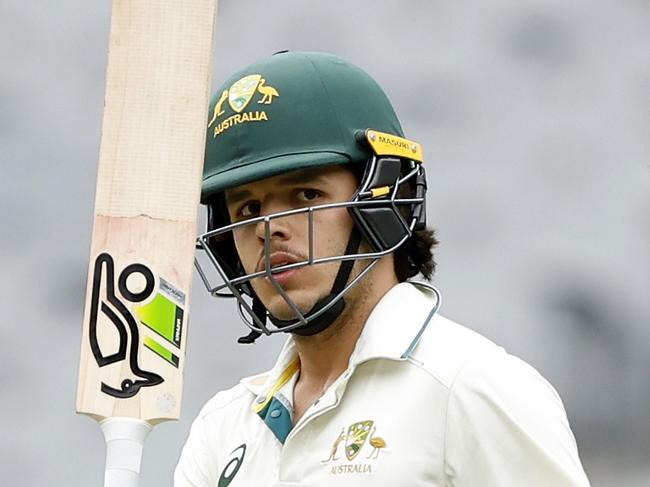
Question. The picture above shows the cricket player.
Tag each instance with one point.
(316, 224)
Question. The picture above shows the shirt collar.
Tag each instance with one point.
(392, 330)
(257, 384)
(396, 323)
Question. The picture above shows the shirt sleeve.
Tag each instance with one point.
(196, 466)
(506, 426)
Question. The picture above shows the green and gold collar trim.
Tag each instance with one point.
(272, 410)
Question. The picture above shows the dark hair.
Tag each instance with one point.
(416, 256)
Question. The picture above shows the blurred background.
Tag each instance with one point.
(535, 119)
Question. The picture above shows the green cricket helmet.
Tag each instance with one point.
(300, 110)
(293, 110)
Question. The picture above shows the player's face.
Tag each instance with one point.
(289, 236)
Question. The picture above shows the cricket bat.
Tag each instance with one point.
(143, 240)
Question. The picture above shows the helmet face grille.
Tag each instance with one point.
(384, 221)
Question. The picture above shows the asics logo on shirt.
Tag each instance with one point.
(232, 467)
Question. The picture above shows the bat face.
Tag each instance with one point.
(163, 315)
(133, 344)
(148, 184)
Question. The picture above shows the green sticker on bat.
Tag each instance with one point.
(156, 347)
(164, 317)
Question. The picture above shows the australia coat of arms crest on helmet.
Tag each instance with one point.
(239, 96)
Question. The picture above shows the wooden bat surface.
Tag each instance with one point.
(148, 185)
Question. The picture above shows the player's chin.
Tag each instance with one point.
(278, 306)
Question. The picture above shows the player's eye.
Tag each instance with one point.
(308, 194)
(249, 209)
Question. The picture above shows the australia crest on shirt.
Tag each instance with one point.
(355, 449)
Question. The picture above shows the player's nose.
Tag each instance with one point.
(272, 228)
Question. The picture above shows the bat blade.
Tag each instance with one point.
(147, 196)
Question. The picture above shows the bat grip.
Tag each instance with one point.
(124, 442)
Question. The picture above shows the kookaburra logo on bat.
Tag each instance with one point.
(110, 307)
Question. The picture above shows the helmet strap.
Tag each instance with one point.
(342, 276)
(260, 312)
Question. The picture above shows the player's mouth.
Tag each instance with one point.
(278, 259)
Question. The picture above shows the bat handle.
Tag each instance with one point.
(124, 441)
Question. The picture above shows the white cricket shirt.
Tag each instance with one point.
(424, 402)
